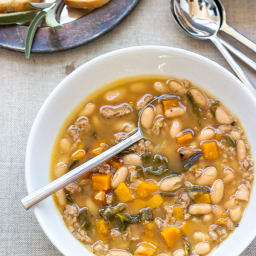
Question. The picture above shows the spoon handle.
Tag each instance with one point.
(239, 54)
(42, 193)
(237, 69)
(239, 37)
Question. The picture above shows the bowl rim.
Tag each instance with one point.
(65, 82)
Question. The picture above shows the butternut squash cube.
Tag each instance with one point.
(145, 189)
(204, 199)
(101, 181)
(155, 201)
(171, 235)
(185, 228)
(123, 193)
(210, 150)
(178, 212)
(101, 227)
(184, 138)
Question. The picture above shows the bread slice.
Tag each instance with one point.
(86, 4)
(15, 5)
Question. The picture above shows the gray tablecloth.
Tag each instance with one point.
(24, 85)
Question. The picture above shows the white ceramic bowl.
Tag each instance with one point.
(143, 60)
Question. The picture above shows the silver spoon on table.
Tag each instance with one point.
(44, 192)
(231, 31)
(202, 20)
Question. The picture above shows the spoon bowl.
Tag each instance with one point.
(201, 19)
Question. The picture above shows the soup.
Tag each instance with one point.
(180, 191)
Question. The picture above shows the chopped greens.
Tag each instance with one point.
(122, 220)
(196, 109)
(199, 188)
(83, 218)
(109, 213)
(191, 161)
(156, 165)
(187, 246)
(228, 141)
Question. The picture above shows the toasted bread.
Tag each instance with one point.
(15, 5)
(86, 4)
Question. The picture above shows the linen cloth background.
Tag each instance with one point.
(24, 85)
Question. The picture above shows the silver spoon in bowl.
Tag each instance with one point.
(231, 31)
(44, 192)
(200, 19)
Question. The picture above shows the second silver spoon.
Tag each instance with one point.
(201, 20)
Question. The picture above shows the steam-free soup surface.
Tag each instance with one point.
(179, 192)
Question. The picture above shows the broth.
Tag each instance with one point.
(181, 191)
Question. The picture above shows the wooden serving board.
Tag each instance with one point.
(73, 34)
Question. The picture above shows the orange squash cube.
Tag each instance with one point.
(101, 181)
(155, 201)
(123, 193)
(170, 103)
(171, 235)
(210, 150)
(145, 189)
(203, 199)
(184, 137)
(178, 212)
(185, 228)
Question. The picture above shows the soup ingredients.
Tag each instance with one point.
(181, 191)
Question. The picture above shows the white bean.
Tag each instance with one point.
(200, 236)
(207, 134)
(147, 117)
(196, 209)
(198, 97)
(61, 197)
(175, 128)
(179, 252)
(207, 218)
(228, 175)
(88, 110)
(65, 145)
(120, 176)
(93, 208)
(118, 252)
(124, 126)
(132, 159)
(160, 87)
(235, 213)
(171, 183)
(176, 87)
(222, 116)
(230, 203)
(115, 95)
(202, 248)
(217, 210)
(241, 150)
(208, 176)
(217, 191)
(174, 112)
(60, 170)
(242, 193)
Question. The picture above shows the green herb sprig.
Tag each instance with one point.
(45, 11)
(41, 12)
